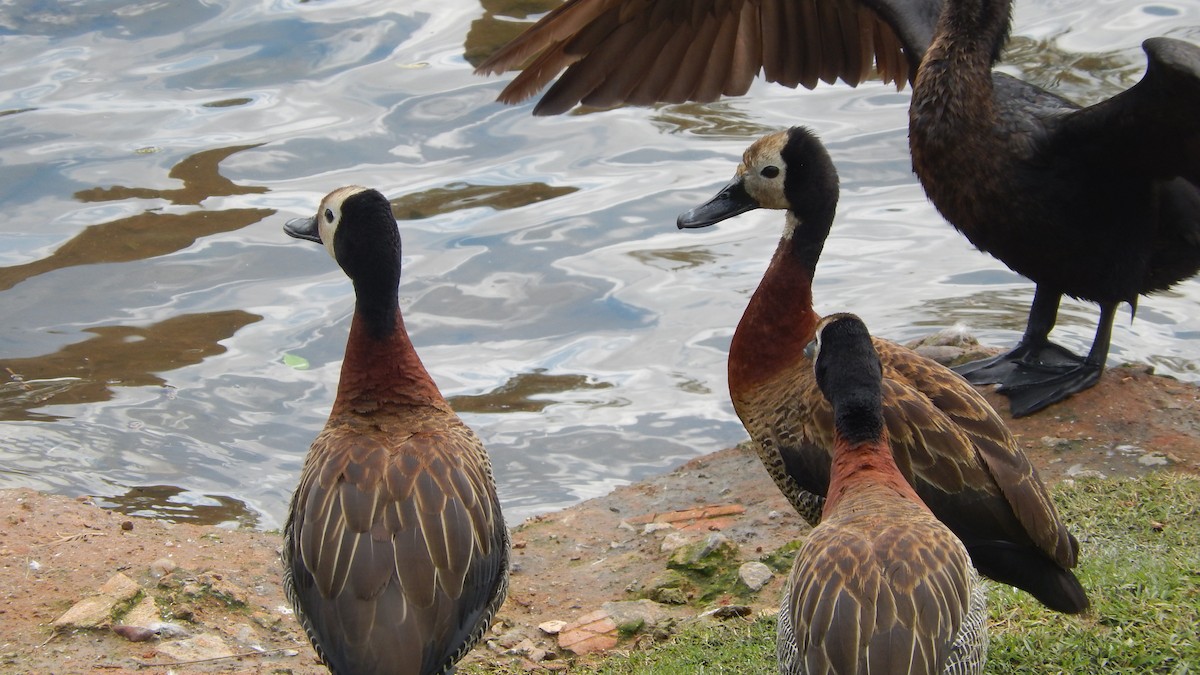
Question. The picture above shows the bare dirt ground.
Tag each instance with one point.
(219, 606)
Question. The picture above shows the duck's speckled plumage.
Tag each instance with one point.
(880, 585)
(395, 550)
(949, 443)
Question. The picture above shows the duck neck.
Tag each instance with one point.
(974, 30)
(779, 321)
(864, 463)
(955, 77)
(381, 369)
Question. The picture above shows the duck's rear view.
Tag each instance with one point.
(880, 585)
(395, 551)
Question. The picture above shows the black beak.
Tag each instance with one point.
(729, 202)
(303, 228)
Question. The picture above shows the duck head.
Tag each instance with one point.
(849, 375)
(787, 170)
(356, 226)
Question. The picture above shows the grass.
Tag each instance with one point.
(1140, 562)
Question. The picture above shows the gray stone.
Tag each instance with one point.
(755, 575)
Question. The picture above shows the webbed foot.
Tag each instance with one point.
(1029, 391)
(1047, 358)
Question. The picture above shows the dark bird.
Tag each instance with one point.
(1099, 203)
(949, 443)
(395, 551)
(880, 585)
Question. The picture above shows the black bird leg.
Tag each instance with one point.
(1029, 391)
(1034, 352)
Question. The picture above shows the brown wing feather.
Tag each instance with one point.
(983, 444)
(610, 52)
(947, 440)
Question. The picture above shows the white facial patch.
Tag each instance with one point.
(329, 216)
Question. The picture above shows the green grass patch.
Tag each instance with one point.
(1140, 562)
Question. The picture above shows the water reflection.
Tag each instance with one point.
(126, 356)
(456, 196)
(174, 505)
(151, 234)
(496, 27)
(525, 392)
(201, 177)
(1096, 76)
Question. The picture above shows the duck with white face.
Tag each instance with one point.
(395, 549)
(949, 443)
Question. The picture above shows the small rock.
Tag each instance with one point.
(651, 528)
(552, 627)
(145, 613)
(1153, 459)
(96, 610)
(198, 648)
(590, 633)
(633, 616)
(1078, 471)
(126, 525)
(183, 611)
(755, 575)
(704, 557)
(1054, 442)
(162, 567)
(135, 633)
(510, 639)
(674, 540)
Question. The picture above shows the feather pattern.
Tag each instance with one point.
(396, 553)
(611, 52)
(880, 585)
(948, 442)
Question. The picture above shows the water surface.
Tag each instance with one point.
(167, 348)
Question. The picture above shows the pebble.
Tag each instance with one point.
(552, 627)
(755, 575)
(162, 567)
(1079, 471)
(1153, 459)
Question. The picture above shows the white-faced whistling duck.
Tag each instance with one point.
(949, 443)
(880, 585)
(395, 551)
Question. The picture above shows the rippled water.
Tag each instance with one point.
(166, 347)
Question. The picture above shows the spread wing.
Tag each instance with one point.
(395, 548)
(613, 52)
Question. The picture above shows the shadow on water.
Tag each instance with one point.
(519, 392)
(150, 234)
(496, 27)
(174, 505)
(457, 196)
(127, 356)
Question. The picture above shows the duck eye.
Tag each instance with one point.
(769, 172)
(329, 215)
